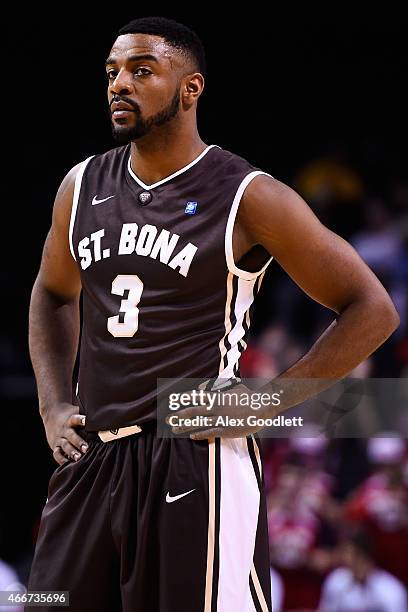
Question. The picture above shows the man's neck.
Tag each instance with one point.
(154, 160)
(362, 570)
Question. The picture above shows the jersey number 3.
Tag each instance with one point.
(128, 310)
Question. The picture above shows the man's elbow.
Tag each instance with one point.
(385, 315)
(395, 319)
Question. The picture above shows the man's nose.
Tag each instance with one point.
(121, 85)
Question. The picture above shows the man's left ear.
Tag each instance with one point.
(193, 88)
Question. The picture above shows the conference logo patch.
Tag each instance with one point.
(191, 208)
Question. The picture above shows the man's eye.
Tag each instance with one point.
(142, 71)
(112, 74)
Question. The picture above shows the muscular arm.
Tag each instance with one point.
(329, 270)
(54, 322)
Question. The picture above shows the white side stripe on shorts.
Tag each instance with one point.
(230, 554)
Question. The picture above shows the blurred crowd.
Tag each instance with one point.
(338, 508)
(338, 539)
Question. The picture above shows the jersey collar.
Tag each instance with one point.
(167, 178)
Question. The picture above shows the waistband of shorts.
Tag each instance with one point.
(94, 435)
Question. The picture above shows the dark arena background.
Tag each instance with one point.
(318, 102)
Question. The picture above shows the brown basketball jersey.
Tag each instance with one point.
(162, 295)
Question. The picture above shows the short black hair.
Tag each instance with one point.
(175, 34)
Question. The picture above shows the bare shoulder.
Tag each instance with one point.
(266, 185)
(64, 197)
(269, 205)
(58, 272)
(267, 195)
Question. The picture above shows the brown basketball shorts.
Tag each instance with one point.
(149, 524)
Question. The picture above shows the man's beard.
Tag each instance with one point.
(124, 134)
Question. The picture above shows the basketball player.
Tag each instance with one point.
(168, 238)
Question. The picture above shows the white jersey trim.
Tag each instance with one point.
(75, 200)
(230, 345)
(168, 178)
(230, 228)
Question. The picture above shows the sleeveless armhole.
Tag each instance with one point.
(75, 200)
(244, 274)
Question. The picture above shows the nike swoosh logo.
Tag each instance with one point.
(170, 499)
(96, 201)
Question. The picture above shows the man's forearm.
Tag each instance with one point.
(53, 342)
(358, 331)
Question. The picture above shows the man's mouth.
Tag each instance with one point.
(122, 113)
(121, 109)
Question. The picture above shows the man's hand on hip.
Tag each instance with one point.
(61, 429)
